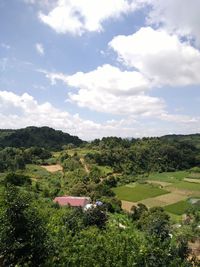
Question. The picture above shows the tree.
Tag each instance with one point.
(155, 223)
(95, 216)
(17, 179)
(23, 237)
(137, 211)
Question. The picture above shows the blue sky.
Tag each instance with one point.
(98, 68)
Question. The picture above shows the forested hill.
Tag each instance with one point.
(37, 136)
(193, 139)
(111, 142)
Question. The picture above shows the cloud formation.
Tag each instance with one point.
(162, 53)
(176, 16)
(108, 89)
(159, 56)
(78, 16)
(17, 111)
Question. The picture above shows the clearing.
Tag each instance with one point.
(53, 168)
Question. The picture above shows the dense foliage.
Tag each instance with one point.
(12, 159)
(23, 237)
(36, 232)
(37, 136)
(144, 155)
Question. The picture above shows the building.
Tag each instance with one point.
(72, 201)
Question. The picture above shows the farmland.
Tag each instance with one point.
(175, 191)
(179, 207)
(138, 192)
(169, 190)
(105, 171)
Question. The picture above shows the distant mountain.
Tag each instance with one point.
(37, 136)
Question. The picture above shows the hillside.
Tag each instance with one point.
(193, 139)
(37, 136)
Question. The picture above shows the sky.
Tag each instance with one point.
(94, 68)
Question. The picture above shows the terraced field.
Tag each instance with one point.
(170, 190)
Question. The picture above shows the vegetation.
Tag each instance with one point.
(147, 155)
(33, 136)
(178, 208)
(12, 159)
(138, 192)
(34, 231)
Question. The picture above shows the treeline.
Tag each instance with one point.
(145, 155)
(37, 136)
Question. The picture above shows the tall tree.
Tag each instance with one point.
(23, 237)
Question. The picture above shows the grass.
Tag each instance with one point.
(35, 171)
(175, 218)
(188, 186)
(105, 170)
(80, 151)
(194, 175)
(137, 193)
(170, 177)
(116, 218)
(178, 208)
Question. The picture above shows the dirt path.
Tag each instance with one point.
(53, 168)
(84, 165)
(197, 181)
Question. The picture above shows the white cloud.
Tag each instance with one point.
(17, 111)
(40, 49)
(159, 56)
(106, 79)
(178, 16)
(185, 119)
(110, 90)
(78, 16)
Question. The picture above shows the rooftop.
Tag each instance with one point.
(72, 201)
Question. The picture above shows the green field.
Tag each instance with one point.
(188, 186)
(178, 208)
(138, 192)
(194, 175)
(170, 177)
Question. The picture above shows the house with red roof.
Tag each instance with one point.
(72, 201)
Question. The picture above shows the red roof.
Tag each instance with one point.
(72, 201)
